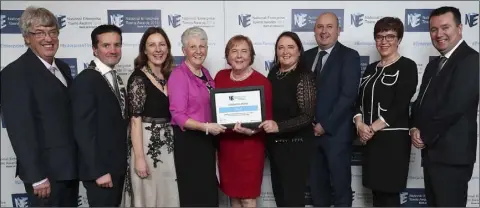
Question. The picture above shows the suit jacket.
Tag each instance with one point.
(100, 129)
(36, 109)
(445, 110)
(337, 87)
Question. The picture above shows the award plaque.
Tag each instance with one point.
(245, 105)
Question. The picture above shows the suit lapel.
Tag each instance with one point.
(40, 67)
(453, 58)
(65, 72)
(330, 59)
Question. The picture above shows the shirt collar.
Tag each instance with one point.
(104, 69)
(329, 50)
(447, 55)
(47, 64)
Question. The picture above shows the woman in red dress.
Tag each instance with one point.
(241, 150)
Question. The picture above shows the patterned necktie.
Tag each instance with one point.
(441, 63)
(120, 93)
(53, 69)
(318, 68)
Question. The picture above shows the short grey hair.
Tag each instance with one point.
(193, 32)
(33, 16)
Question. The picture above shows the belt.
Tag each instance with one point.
(155, 120)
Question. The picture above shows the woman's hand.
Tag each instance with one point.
(242, 130)
(269, 126)
(364, 132)
(141, 168)
(214, 128)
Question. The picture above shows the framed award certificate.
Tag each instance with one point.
(245, 105)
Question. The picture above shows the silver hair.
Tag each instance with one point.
(33, 16)
(193, 32)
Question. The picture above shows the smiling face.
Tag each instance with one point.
(239, 56)
(387, 43)
(444, 32)
(46, 47)
(287, 52)
(326, 30)
(195, 51)
(156, 49)
(109, 48)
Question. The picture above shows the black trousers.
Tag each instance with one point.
(290, 161)
(194, 154)
(385, 199)
(62, 194)
(105, 197)
(446, 185)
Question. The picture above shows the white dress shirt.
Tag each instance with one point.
(105, 71)
(324, 58)
(56, 72)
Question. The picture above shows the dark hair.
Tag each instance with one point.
(142, 58)
(296, 39)
(443, 10)
(104, 29)
(389, 24)
(235, 40)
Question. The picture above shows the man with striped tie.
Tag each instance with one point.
(99, 120)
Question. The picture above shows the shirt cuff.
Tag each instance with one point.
(40, 182)
(382, 119)
(358, 114)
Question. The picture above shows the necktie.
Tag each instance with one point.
(441, 63)
(318, 68)
(119, 93)
(53, 69)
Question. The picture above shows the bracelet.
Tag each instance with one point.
(206, 128)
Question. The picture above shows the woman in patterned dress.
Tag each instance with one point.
(151, 177)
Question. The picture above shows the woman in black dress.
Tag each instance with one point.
(382, 115)
(290, 142)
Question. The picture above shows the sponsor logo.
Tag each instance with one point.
(177, 20)
(20, 200)
(268, 65)
(358, 19)
(61, 21)
(72, 63)
(79, 22)
(413, 197)
(10, 21)
(124, 69)
(178, 60)
(417, 20)
(174, 20)
(364, 61)
(134, 21)
(303, 20)
(364, 43)
(246, 20)
(471, 19)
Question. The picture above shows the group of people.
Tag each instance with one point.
(152, 142)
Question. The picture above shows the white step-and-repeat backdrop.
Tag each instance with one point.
(262, 22)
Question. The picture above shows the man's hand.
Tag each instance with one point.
(416, 139)
(105, 181)
(318, 129)
(42, 190)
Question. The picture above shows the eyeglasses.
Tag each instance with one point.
(43, 34)
(389, 37)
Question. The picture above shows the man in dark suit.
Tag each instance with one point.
(337, 70)
(445, 112)
(36, 109)
(100, 126)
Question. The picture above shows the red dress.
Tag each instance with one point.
(241, 157)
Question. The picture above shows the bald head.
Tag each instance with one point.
(326, 30)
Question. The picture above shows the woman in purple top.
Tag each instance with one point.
(189, 88)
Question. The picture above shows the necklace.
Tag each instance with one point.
(281, 75)
(245, 76)
(385, 63)
(162, 82)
